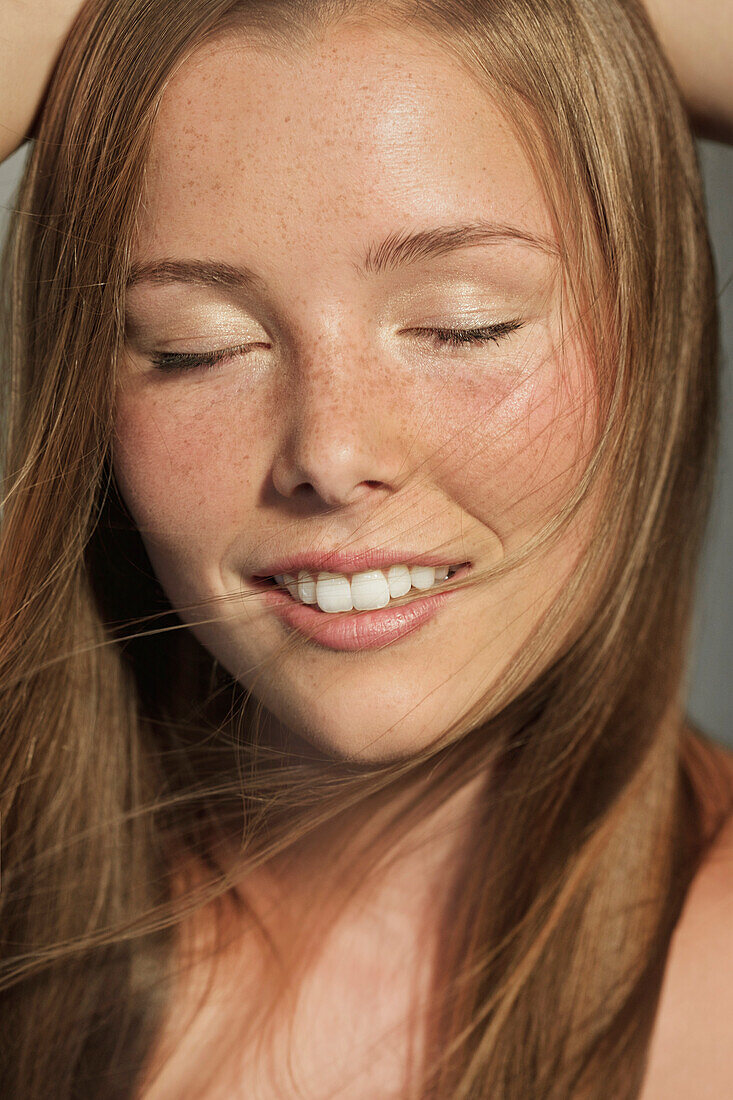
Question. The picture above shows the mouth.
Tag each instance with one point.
(334, 620)
(372, 590)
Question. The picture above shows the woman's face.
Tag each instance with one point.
(346, 424)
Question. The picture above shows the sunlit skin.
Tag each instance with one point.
(346, 426)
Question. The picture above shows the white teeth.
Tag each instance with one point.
(367, 591)
(399, 581)
(333, 592)
(370, 590)
(291, 584)
(306, 587)
(422, 576)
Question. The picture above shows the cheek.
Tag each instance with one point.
(505, 447)
(515, 444)
(185, 469)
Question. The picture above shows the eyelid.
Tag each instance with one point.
(182, 360)
(445, 336)
(495, 330)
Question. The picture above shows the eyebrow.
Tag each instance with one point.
(399, 249)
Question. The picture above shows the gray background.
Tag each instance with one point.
(711, 666)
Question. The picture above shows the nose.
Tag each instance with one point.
(340, 443)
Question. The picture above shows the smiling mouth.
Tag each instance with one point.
(371, 590)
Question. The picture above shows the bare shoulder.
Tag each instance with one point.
(691, 1052)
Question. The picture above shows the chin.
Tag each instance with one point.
(350, 731)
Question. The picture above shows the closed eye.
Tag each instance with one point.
(458, 337)
(170, 362)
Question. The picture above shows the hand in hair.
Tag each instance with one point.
(697, 36)
(33, 32)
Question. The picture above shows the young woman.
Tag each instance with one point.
(360, 407)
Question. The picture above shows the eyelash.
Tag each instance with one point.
(171, 362)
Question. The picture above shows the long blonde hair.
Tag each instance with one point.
(125, 745)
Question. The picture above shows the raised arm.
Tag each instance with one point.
(697, 36)
(32, 33)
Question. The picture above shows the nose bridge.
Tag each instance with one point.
(337, 436)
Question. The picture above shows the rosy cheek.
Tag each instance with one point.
(184, 467)
(516, 444)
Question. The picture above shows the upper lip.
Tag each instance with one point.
(352, 561)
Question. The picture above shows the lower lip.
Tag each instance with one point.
(348, 631)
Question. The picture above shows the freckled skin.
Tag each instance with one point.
(343, 427)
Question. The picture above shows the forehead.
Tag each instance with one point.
(310, 152)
